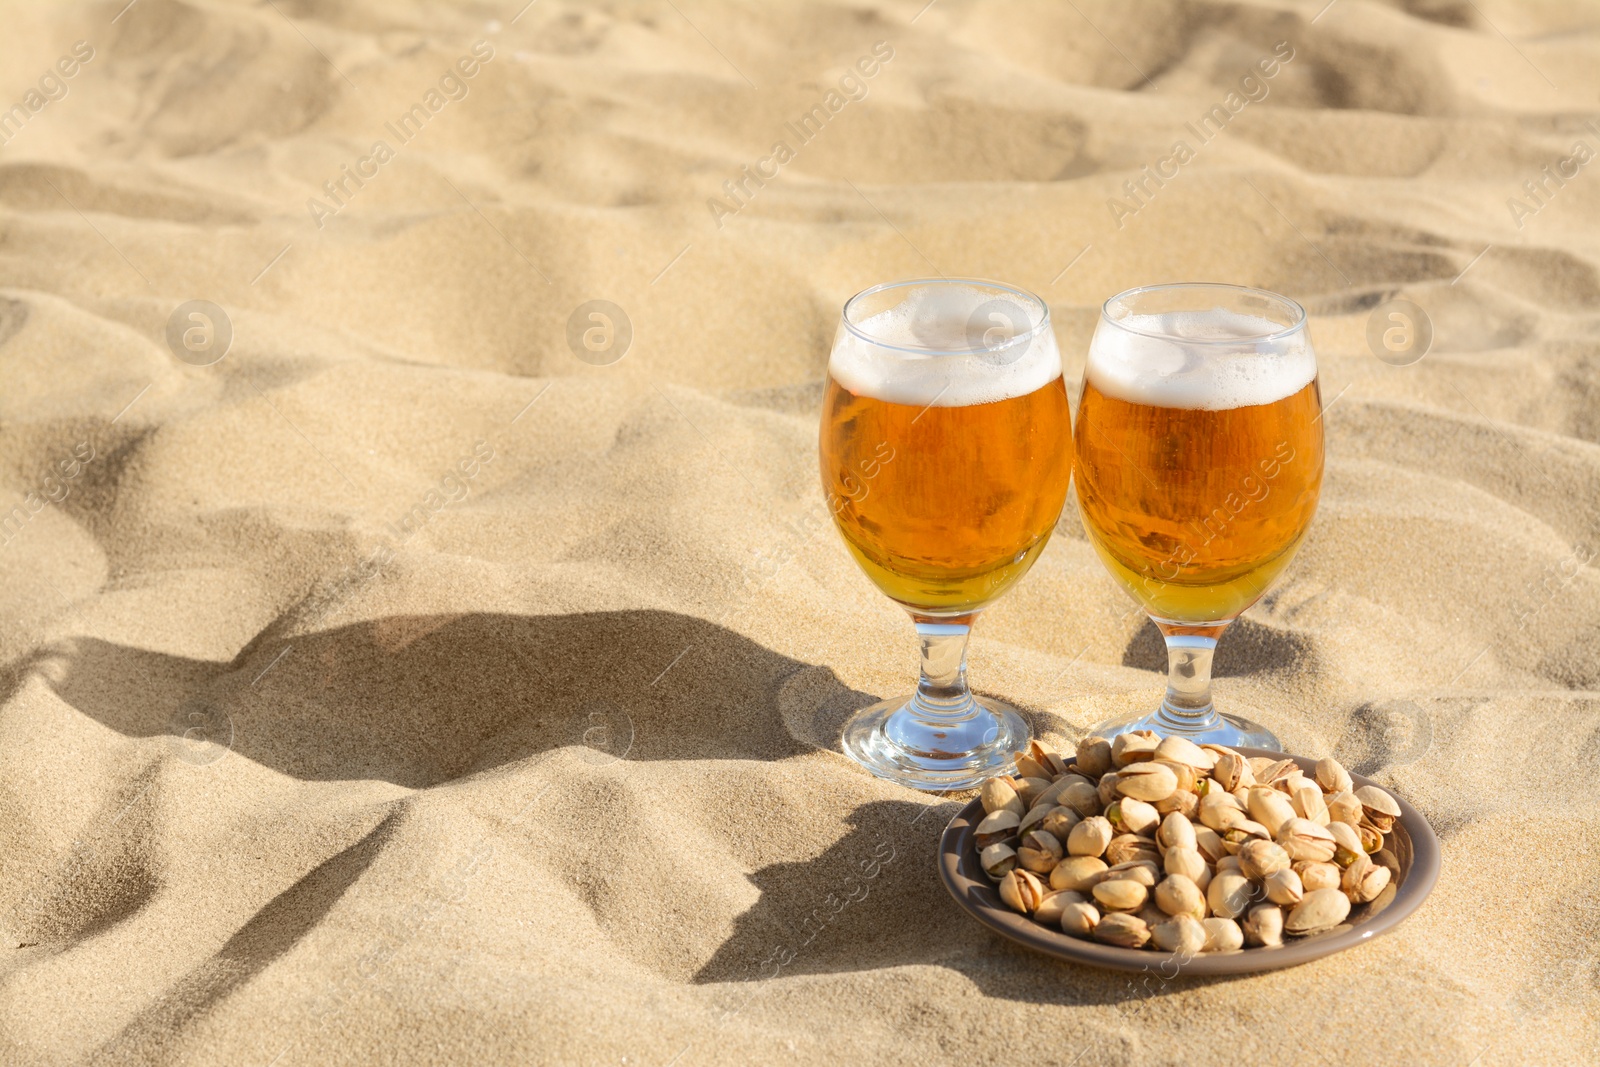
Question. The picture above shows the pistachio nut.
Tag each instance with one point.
(1258, 858)
(1264, 925)
(1127, 847)
(1228, 863)
(997, 859)
(1021, 890)
(1093, 757)
(1078, 920)
(1120, 894)
(995, 827)
(1315, 875)
(1028, 767)
(1129, 816)
(1152, 914)
(1208, 843)
(1332, 777)
(1344, 807)
(1076, 872)
(1177, 894)
(1031, 788)
(1270, 808)
(1229, 894)
(1182, 934)
(1059, 821)
(1125, 931)
(1039, 851)
(1048, 759)
(1322, 909)
(1303, 839)
(1134, 747)
(1175, 830)
(1371, 836)
(1283, 887)
(1241, 833)
(1052, 905)
(1214, 806)
(1259, 765)
(1380, 808)
(1180, 859)
(1309, 803)
(1364, 880)
(1144, 872)
(1186, 775)
(1032, 820)
(1081, 796)
(1347, 844)
(997, 794)
(1230, 771)
(1147, 781)
(1182, 750)
(1222, 935)
(1090, 837)
(1106, 791)
(1278, 771)
(1183, 802)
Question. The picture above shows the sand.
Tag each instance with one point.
(402, 688)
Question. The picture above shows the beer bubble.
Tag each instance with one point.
(1002, 328)
(199, 332)
(599, 332)
(1399, 332)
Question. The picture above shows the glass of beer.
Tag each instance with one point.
(1199, 447)
(946, 451)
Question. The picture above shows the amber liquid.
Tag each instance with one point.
(946, 507)
(1196, 512)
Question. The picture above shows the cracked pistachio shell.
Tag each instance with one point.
(1134, 747)
(1217, 808)
(1082, 797)
(1093, 757)
(1259, 765)
(1177, 894)
(1309, 803)
(1051, 906)
(998, 794)
(1364, 880)
(1303, 839)
(1060, 821)
(1052, 796)
(1123, 930)
(997, 860)
(1259, 858)
(1079, 920)
(1108, 788)
(1186, 775)
(1380, 808)
(1144, 872)
(1278, 771)
(1180, 859)
(1314, 875)
(1284, 887)
(1029, 789)
(1125, 848)
(1345, 808)
(1031, 821)
(1228, 863)
(1090, 837)
(1028, 767)
(1120, 894)
(1346, 843)
(1264, 925)
(1076, 873)
(1047, 758)
(1152, 914)
(1148, 782)
(1182, 750)
(1242, 833)
(1039, 852)
(1209, 844)
(1182, 934)
(995, 827)
(1129, 816)
(1021, 890)
(1183, 802)
(1270, 808)
(1175, 830)
(1322, 909)
(1371, 836)
(1332, 777)
(1229, 894)
(1222, 935)
(1231, 771)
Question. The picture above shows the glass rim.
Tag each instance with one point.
(1032, 299)
(1299, 311)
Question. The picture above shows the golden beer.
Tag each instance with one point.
(1196, 511)
(946, 507)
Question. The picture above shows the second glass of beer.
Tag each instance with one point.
(946, 451)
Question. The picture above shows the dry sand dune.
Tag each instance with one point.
(402, 688)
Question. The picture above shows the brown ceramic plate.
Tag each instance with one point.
(1412, 843)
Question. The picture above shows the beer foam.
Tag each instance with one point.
(1183, 359)
(927, 351)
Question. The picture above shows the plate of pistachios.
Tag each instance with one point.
(1147, 853)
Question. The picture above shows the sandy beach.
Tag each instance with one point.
(424, 638)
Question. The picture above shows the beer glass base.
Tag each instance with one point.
(1213, 728)
(895, 743)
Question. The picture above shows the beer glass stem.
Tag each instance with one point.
(1188, 706)
(942, 693)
